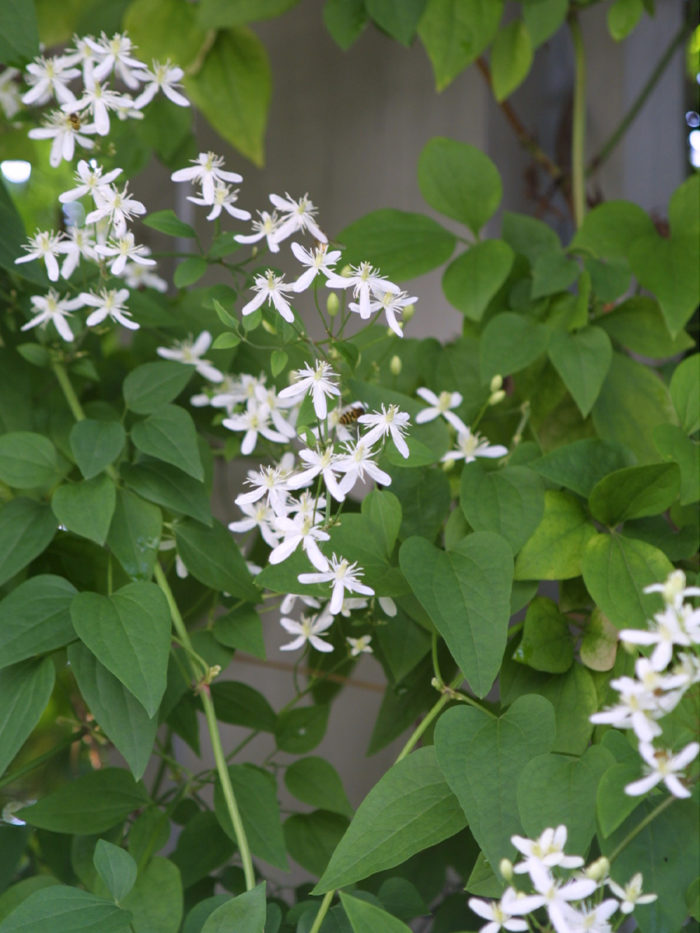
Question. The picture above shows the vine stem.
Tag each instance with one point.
(578, 135)
(640, 826)
(68, 391)
(214, 736)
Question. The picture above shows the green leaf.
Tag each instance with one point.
(169, 487)
(316, 782)
(164, 29)
(128, 632)
(554, 551)
(458, 180)
(169, 223)
(552, 272)
(26, 529)
(189, 271)
(639, 326)
(227, 341)
(581, 464)
(425, 497)
(116, 868)
(668, 268)
(232, 89)
(217, 14)
(543, 18)
(241, 629)
(170, 435)
(509, 501)
(25, 690)
(311, 838)
(256, 794)
(598, 648)
(672, 444)
(59, 909)
(511, 58)
(244, 914)
(685, 393)
(35, 618)
(546, 644)
(666, 852)
(528, 236)
(482, 755)
(456, 32)
(471, 281)
(134, 535)
(616, 570)
(635, 492)
(213, 557)
(241, 705)
(622, 17)
(152, 385)
(121, 717)
(278, 360)
(366, 918)
(400, 244)
(609, 230)
(613, 805)
(582, 360)
(571, 785)
(466, 593)
(90, 804)
(631, 403)
(155, 902)
(86, 508)
(27, 460)
(299, 730)
(19, 35)
(345, 20)
(96, 444)
(609, 278)
(202, 846)
(409, 809)
(509, 343)
(397, 17)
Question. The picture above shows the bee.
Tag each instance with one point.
(74, 120)
(351, 414)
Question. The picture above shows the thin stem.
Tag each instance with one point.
(578, 134)
(40, 759)
(68, 391)
(214, 735)
(664, 805)
(610, 144)
(322, 911)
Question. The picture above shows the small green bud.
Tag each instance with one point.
(270, 328)
(599, 869)
(505, 866)
(395, 365)
(346, 270)
(333, 353)
(497, 397)
(408, 312)
(448, 465)
(332, 304)
(496, 383)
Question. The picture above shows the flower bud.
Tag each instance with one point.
(505, 866)
(346, 270)
(332, 304)
(408, 312)
(333, 353)
(395, 365)
(496, 397)
(448, 465)
(599, 869)
(269, 327)
(496, 383)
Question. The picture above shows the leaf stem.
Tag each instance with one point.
(664, 805)
(322, 911)
(68, 391)
(214, 736)
(578, 134)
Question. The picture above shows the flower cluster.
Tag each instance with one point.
(570, 894)
(470, 445)
(659, 684)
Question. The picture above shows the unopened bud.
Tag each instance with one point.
(346, 270)
(332, 304)
(599, 869)
(505, 866)
(496, 383)
(333, 353)
(395, 365)
(408, 312)
(270, 328)
(496, 397)
(448, 465)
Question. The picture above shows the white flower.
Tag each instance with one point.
(82, 54)
(53, 308)
(124, 249)
(552, 894)
(673, 589)
(360, 646)
(290, 599)
(270, 481)
(10, 100)
(593, 919)
(470, 446)
(317, 260)
(364, 280)
(118, 206)
(99, 101)
(320, 462)
(260, 516)
(90, 181)
(390, 421)
(224, 198)
(161, 77)
(499, 918)
(267, 396)
(255, 420)
(65, 129)
(206, 170)
(317, 382)
(441, 405)
(296, 215)
(307, 630)
(631, 894)
(78, 243)
(136, 275)
(49, 77)
(665, 631)
(266, 227)
(663, 766)
(114, 54)
(109, 303)
(637, 709)
(190, 353)
(355, 464)
(547, 850)
(270, 288)
(46, 245)
(295, 531)
(391, 303)
(343, 576)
